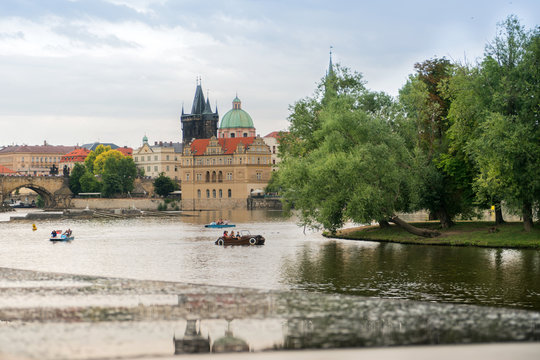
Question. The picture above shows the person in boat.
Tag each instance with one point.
(220, 222)
(225, 234)
(53, 233)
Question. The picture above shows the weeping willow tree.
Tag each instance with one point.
(344, 157)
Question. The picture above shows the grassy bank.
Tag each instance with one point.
(465, 233)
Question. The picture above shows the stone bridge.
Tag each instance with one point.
(54, 190)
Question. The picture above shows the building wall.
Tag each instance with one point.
(215, 180)
(33, 160)
(157, 159)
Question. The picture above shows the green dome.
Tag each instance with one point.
(236, 118)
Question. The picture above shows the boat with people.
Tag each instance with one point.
(58, 235)
(219, 224)
(240, 238)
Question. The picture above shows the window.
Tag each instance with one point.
(232, 135)
(229, 161)
(229, 176)
(148, 168)
(148, 158)
(274, 161)
(199, 193)
(214, 193)
(240, 160)
(259, 176)
(187, 176)
(245, 134)
(220, 193)
(199, 177)
(274, 149)
(167, 167)
(208, 193)
(167, 157)
(229, 192)
(155, 168)
(136, 159)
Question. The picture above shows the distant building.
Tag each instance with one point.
(33, 160)
(160, 157)
(202, 122)
(93, 146)
(222, 172)
(76, 156)
(236, 122)
(272, 140)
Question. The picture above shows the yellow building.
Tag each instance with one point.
(33, 160)
(222, 173)
(162, 157)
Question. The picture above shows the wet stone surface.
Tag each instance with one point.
(50, 316)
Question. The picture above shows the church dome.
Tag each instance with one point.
(236, 117)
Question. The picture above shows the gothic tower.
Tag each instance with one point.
(202, 123)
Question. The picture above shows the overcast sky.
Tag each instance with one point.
(79, 71)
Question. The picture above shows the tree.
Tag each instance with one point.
(100, 160)
(74, 179)
(496, 119)
(508, 148)
(444, 173)
(89, 161)
(164, 185)
(342, 160)
(89, 183)
(118, 174)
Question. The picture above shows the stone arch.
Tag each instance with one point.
(47, 196)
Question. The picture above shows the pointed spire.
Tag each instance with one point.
(182, 108)
(330, 65)
(207, 108)
(198, 100)
(216, 108)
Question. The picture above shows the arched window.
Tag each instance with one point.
(232, 135)
(220, 177)
(229, 192)
(220, 193)
(245, 134)
(208, 193)
(207, 176)
(213, 176)
(214, 193)
(199, 193)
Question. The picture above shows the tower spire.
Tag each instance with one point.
(330, 65)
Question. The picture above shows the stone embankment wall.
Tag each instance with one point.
(213, 204)
(109, 204)
(264, 203)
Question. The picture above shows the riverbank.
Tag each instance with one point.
(55, 316)
(464, 233)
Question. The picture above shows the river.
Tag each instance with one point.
(181, 249)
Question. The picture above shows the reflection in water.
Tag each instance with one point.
(428, 273)
(229, 343)
(193, 341)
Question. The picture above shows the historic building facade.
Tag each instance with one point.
(76, 156)
(236, 122)
(33, 160)
(222, 172)
(162, 157)
(202, 122)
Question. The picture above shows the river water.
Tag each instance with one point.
(180, 249)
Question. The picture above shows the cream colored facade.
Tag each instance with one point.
(221, 173)
(33, 160)
(161, 157)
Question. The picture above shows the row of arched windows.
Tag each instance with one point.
(214, 194)
(213, 177)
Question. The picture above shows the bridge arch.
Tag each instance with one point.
(54, 190)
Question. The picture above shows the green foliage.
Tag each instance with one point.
(163, 185)
(40, 203)
(162, 207)
(328, 171)
(74, 178)
(89, 183)
(99, 162)
(118, 175)
(89, 161)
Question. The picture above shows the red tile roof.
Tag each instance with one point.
(125, 151)
(276, 134)
(229, 145)
(77, 155)
(5, 170)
